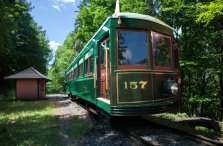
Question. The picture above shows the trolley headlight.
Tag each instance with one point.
(170, 87)
(174, 88)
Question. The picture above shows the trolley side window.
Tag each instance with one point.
(80, 70)
(67, 77)
(91, 59)
(86, 66)
(71, 75)
(132, 48)
(162, 50)
(88, 63)
(74, 73)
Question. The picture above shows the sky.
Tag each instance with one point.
(57, 17)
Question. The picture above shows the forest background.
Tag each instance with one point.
(23, 44)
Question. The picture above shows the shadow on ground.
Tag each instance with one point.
(56, 97)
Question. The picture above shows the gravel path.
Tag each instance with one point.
(66, 109)
(96, 136)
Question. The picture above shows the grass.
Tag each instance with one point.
(28, 123)
(7, 94)
(206, 131)
(33, 123)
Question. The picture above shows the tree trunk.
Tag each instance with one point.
(221, 94)
(202, 93)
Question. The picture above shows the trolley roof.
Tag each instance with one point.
(141, 17)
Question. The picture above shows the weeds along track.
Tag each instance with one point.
(145, 132)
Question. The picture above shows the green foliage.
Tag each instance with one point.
(171, 117)
(210, 11)
(207, 132)
(134, 6)
(182, 115)
(201, 53)
(64, 56)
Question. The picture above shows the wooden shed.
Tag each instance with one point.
(30, 84)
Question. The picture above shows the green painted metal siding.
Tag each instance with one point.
(104, 106)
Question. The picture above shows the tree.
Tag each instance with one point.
(210, 11)
(64, 56)
(211, 14)
(200, 53)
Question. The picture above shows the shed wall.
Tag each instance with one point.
(27, 89)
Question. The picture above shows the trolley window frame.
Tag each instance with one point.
(171, 51)
(123, 67)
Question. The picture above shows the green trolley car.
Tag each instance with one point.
(130, 67)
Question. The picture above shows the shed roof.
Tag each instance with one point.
(30, 73)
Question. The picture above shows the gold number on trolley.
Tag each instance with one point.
(126, 85)
(135, 85)
(143, 84)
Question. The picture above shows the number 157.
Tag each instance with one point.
(135, 85)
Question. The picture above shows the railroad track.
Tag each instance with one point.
(195, 136)
(145, 132)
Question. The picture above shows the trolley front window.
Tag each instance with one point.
(162, 50)
(132, 48)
